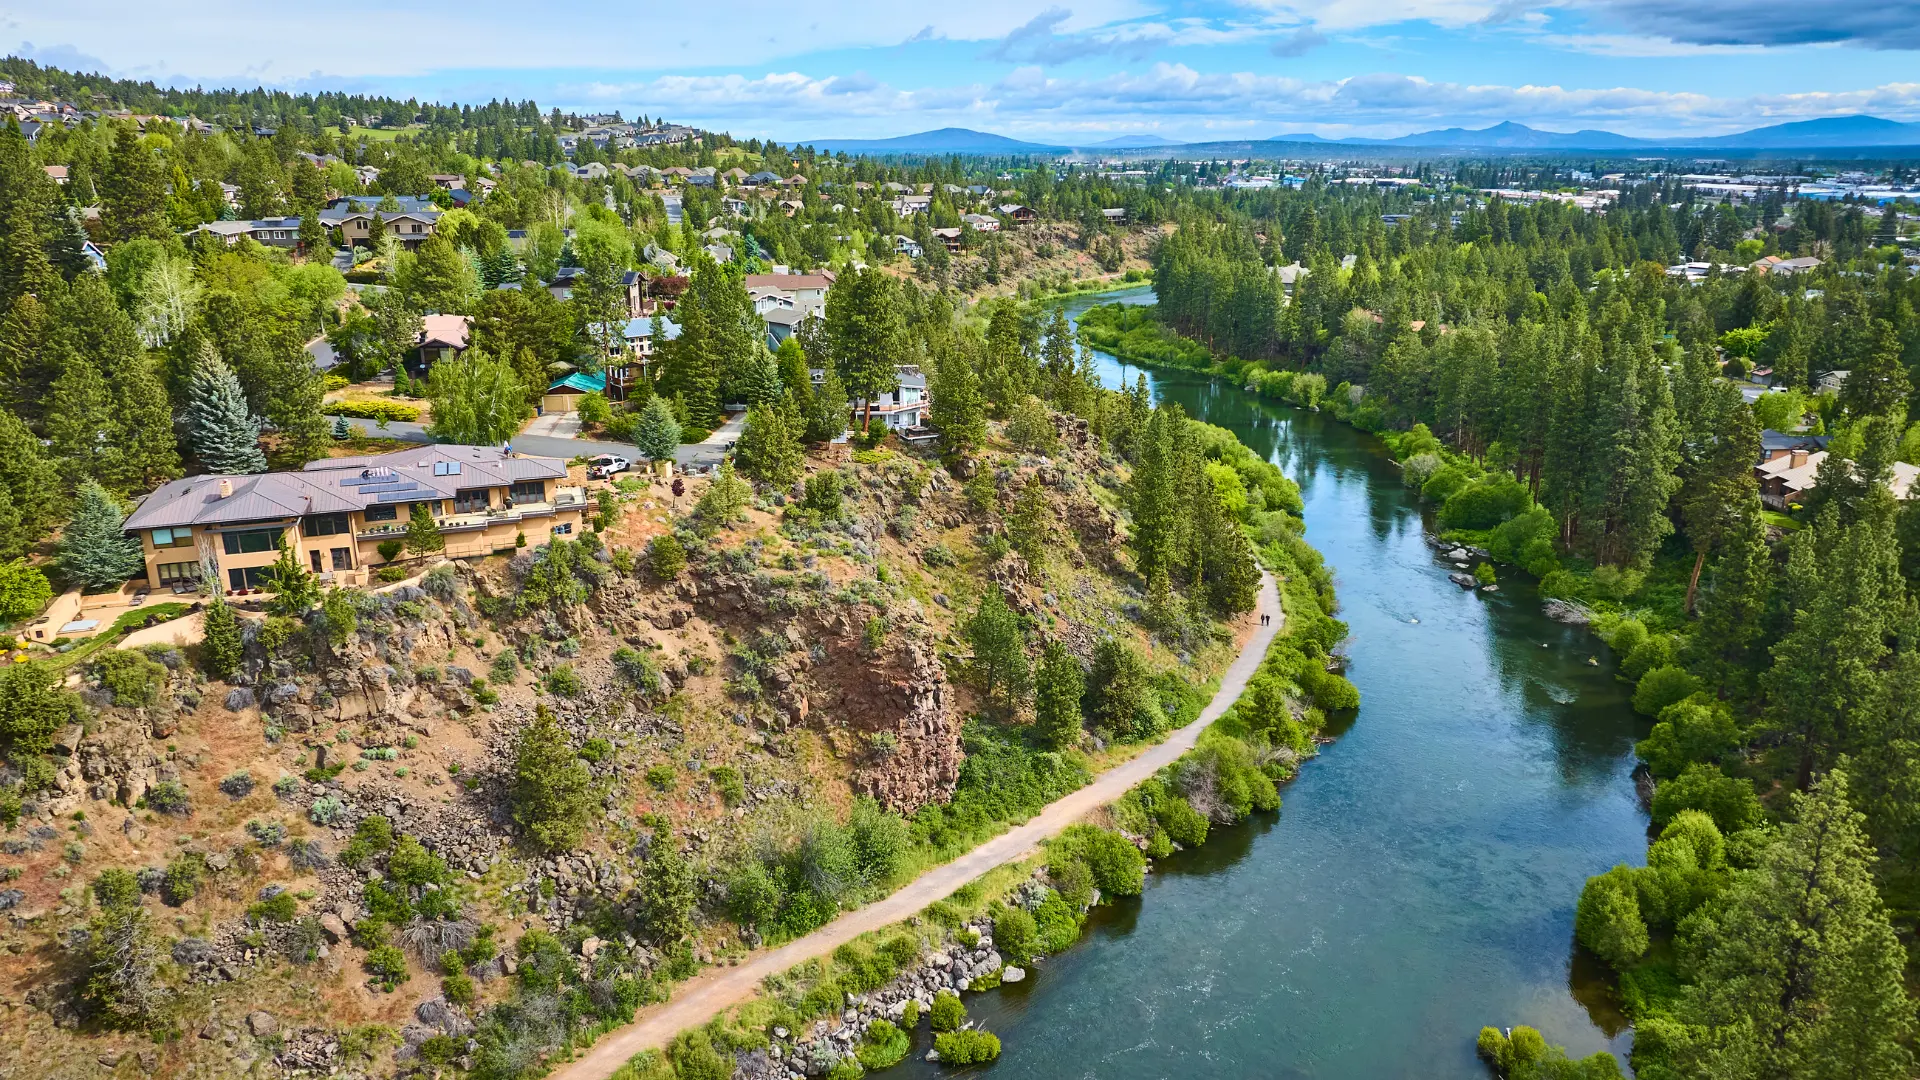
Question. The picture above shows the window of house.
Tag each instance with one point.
(247, 577)
(313, 557)
(343, 558)
(470, 501)
(529, 491)
(250, 542)
(563, 530)
(178, 537)
(325, 525)
(175, 572)
(389, 512)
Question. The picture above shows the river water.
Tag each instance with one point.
(1419, 881)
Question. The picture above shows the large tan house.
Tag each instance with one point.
(335, 513)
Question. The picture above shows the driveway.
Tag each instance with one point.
(705, 995)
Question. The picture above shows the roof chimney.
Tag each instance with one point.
(1797, 459)
(226, 488)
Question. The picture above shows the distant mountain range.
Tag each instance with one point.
(1837, 132)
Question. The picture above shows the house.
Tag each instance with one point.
(807, 291)
(908, 246)
(949, 237)
(1775, 445)
(899, 409)
(568, 278)
(442, 337)
(784, 322)
(1831, 382)
(909, 205)
(981, 222)
(630, 353)
(565, 394)
(1786, 479)
(1021, 215)
(1774, 264)
(410, 227)
(794, 181)
(720, 253)
(334, 513)
(56, 173)
(272, 232)
(735, 206)
(760, 178)
(449, 181)
(734, 175)
(1114, 213)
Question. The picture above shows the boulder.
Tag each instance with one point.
(262, 1024)
(1012, 974)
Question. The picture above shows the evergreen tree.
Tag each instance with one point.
(32, 485)
(93, 551)
(440, 280)
(477, 400)
(656, 434)
(667, 895)
(294, 590)
(1721, 486)
(133, 191)
(796, 382)
(1846, 596)
(867, 333)
(224, 435)
(768, 451)
(109, 418)
(827, 416)
(1730, 643)
(221, 647)
(723, 500)
(956, 409)
(1030, 526)
(23, 590)
(1799, 970)
(1151, 497)
(999, 648)
(1058, 687)
(423, 533)
(552, 791)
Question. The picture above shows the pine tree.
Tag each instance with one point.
(26, 372)
(1721, 485)
(1799, 973)
(796, 382)
(956, 409)
(827, 418)
(118, 429)
(1730, 645)
(93, 550)
(1846, 596)
(1058, 687)
(1030, 526)
(656, 434)
(32, 484)
(294, 590)
(221, 646)
(723, 500)
(224, 435)
(552, 791)
(133, 191)
(768, 451)
(423, 533)
(999, 648)
(440, 280)
(867, 333)
(23, 590)
(1150, 495)
(667, 896)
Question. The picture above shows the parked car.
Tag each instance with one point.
(604, 465)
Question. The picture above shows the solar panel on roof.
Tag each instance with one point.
(403, 486)
(397, 496)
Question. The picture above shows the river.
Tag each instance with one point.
(1419, 881)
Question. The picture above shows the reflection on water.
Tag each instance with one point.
(1419, 881)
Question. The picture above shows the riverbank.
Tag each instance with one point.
(716, 989)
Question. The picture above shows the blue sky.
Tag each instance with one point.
(1080, 70)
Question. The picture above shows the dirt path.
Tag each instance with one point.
(705, 995)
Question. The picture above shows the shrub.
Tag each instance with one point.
(948, 1012)
(325, 810)
(237, 785)
(1608, 920)
(666, 558)
(639, 669)
(182, 880)
(726, 780)
(1016, 935)
(363, 409)
(169, 797)
(390, 549)
(1729, 801)
(280, 907)
(1485, 503)
(966, 1047)
(565, 681)
(1117, 867)
(661, 777)
(388, 966)
(885, 1045)
(1184, 825)
(1056, 924)
(458, 988)
(1663, 686)
(128, 674)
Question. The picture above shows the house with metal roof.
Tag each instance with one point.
(270, 232)
(335, 513)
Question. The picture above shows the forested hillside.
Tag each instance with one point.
(1569, 405)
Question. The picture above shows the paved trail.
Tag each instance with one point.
(717, 988)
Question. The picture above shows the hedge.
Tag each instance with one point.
(372, 410)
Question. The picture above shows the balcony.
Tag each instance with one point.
(566, 498)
